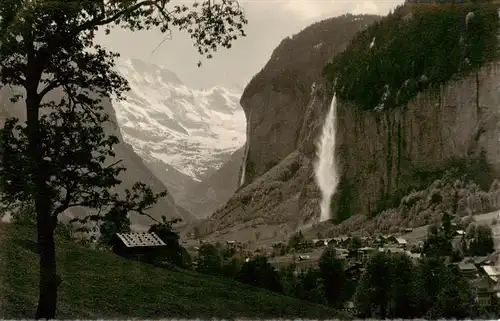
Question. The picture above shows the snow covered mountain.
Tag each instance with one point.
(183, 134)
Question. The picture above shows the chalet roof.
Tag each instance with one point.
(482, 285)
(401, 240)
(493, 256)
(490, 270)
(479, 259)
(463, 266)
(413, 255)
(140, 239)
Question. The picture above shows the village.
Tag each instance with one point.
(482, 272)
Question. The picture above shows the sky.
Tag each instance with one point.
(270, 21)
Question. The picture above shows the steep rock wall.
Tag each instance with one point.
(276, 100)
(380, 151)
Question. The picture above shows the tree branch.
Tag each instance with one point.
(101, 20)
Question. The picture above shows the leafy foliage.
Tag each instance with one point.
(113, 222)
(332, 272)
(209, 260)
(437, 244)
(75, 150)
(481, 240)
(174, 252)
(309, 286)
(444, 293)
(414, 48)
(295, 240)
(259, 272)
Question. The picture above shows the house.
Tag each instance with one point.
(467, 269)
(401, 242)
(342, 253)
(391, 250)
(492, 272)
(478, 261)
(354, 270)
(413, 256)
(366, 252)
(483, 290)
(137, 246)
(389, 240)
(320, 242)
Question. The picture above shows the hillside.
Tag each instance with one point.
(136, 170)
(211, 193)
(103, 285)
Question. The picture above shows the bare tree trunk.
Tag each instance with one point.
(48, 285)
(45, 224)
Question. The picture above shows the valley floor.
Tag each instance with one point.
(103, 285)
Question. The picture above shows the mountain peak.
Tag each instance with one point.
(146, 71)
(194, 131)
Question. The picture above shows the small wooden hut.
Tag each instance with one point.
(137, 246)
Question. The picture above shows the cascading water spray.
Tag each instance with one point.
(325, 168)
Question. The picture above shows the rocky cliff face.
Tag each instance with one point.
(284, 111)
(278, 99)
(136, 170)
(381, 154)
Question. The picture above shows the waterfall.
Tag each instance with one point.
(325, 167)
(245, 153)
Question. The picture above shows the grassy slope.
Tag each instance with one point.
(97, 284)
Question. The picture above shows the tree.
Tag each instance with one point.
(309, 286)
(49, 44)
(333, 275)
(404, 296)
(232, 266)
(259, 272)
(446, 225)
(295, 240)
(22, 214)
(173, 252)
(443, 293)
(354, 245)
(481, 240)
(113, 222)
(388, 288)
(209, 260)
(372, 293)
(437, 244)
